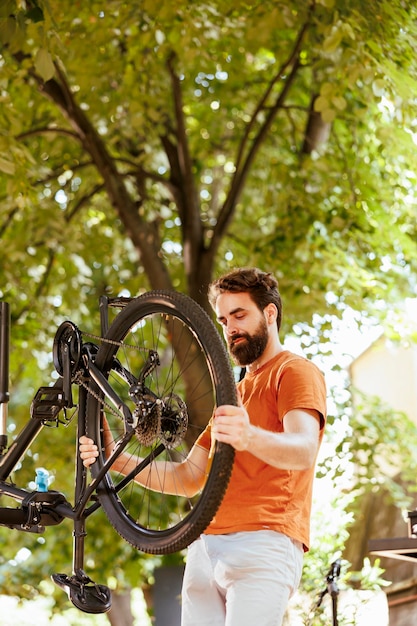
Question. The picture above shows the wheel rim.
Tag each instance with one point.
(187, 385)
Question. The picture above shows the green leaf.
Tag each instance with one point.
(44, 64)
(7, 166)
(339, 102)
(321, 104)
(333, 41)
(8, 28)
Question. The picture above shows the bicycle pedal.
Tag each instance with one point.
(86, 595)
(47, 403)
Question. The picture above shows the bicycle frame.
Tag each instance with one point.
(40, 508)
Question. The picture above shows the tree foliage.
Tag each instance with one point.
(169, 134)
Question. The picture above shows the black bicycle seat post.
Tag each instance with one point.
(4, 371)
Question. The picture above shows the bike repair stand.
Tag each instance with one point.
(83, 592)
(332, 589)
(39, 508)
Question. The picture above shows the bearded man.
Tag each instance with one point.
(248, 562)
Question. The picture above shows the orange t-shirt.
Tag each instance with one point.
(260, 496)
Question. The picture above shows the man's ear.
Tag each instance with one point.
(271, 313)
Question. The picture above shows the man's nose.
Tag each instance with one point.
(230, 329)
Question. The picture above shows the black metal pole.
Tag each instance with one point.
(80, 484)
(4, 351)
(332, 587)
(4, 371)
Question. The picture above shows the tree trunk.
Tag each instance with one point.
(120, 613)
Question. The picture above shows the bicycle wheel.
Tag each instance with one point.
(165, 359)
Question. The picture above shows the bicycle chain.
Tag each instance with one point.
(112, 342)
(79, 381)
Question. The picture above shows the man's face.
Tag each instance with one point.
(244, 327)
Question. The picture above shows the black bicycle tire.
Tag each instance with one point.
(178, 537)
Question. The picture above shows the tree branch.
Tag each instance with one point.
(8, 221)
(291, 61)
(46, 130)
(182, 149)
(142, 234)
(186, 194)
(317, 130)
(243, 162)
(82, 202)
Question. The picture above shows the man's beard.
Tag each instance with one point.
(245, 353)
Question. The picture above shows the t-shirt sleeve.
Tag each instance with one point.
(302, 386)
(204, 440)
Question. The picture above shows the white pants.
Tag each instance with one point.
(240, 579)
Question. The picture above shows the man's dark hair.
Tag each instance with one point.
(261, 286)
